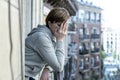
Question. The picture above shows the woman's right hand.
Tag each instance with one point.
(61, 32)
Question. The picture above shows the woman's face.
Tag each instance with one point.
(55, 26)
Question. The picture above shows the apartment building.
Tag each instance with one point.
(85, 33)
(111, 42)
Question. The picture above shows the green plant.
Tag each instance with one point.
(114, 54)
(103, 55)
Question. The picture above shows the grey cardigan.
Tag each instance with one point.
(41, 49)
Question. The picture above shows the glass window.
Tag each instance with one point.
(111, 34)
(98, 17)
(111, 42)
(87, 14)
(93, 15)
(81, 15)
(87, 31)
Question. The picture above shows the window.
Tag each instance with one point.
(111, 42)
(87, 31)
(87, 14)
(81, 31)
(92, 16)
(81, 15)
(107, 44)
(111, 38)
(98, 17)
(111, 34)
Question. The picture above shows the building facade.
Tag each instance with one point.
(86, 30)
(111, 42)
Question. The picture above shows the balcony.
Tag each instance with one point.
(95, 36)
(84, 38)
(95, 50)
(82, 52)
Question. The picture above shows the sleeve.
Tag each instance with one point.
(45, 48)
(49, 68)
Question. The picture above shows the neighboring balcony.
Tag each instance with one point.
(72, 49)
(72, 53)
(95, 36)
(84, 38)
(82, 52)
(95, 50)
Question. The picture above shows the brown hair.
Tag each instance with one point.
(57, 15)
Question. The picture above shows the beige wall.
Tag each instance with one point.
(10, 41)
(13, 30)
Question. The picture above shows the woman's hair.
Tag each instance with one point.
(57, 15)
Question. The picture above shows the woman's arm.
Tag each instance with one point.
(45, 48)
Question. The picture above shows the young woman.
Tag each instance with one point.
(44, 45)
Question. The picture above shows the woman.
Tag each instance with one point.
(44, 45)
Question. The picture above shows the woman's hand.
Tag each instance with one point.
(45, 74)
(61, 31)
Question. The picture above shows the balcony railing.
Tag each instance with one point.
(95, 50)
(95, 36)
(83, 37)
(82, 52)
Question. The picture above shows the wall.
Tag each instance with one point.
(11, 47)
